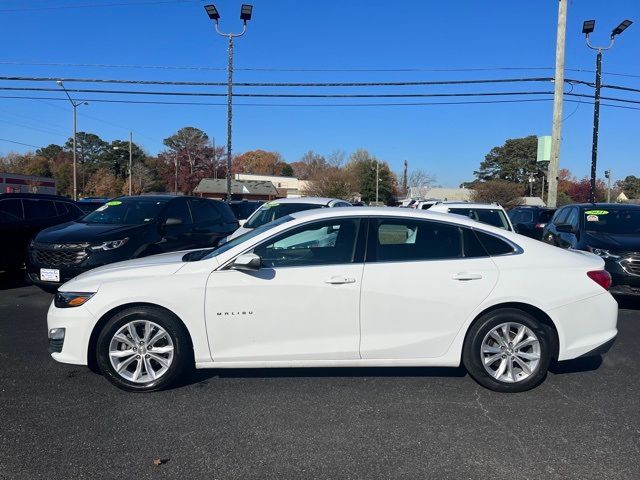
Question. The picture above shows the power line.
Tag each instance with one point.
(18, 143)
(94, 5)
(283, 84)
(275, 95)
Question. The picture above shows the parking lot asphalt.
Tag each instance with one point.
(63, 421)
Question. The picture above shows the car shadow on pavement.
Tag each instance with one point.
(585, 364)
(199, 376)
(14, 279)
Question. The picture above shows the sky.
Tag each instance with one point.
(325, 41)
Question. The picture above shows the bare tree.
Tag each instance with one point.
(507, 194)
(420, 182)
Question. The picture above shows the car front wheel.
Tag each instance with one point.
(143, 349)
(508, 350)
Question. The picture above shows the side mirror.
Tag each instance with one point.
(170, 222)
(247, 262)
(566, 228)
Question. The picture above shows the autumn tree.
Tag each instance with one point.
(309, 166)
(190, 150)
(630, 186)
(259, 162)
(103, 183)
(506, 193)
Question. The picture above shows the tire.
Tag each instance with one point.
(497, 364)
(149, 361)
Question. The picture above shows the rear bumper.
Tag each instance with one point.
(600, 350)
(585, 326)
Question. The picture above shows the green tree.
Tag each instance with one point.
(287, 170)
(514, 161)
(49, 152)
(116, 157)
(630, 186)
(89, 149)
(362, 166)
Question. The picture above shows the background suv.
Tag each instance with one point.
(22, 215)
(489, 213)
(530, 221)
(611, 231)
(126, 228)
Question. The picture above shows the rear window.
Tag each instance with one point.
(490, 216)
(545, 216)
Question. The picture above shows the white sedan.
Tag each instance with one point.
(341, 287)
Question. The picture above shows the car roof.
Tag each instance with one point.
(308, 200)
(394, 212)
(469, 205)
(603, 205)
(42, 196)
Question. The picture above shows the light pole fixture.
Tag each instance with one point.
(75, 105)
(245, 15)
(587, 28)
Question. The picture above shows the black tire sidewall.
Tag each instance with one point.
(163, 318)
(473, 343)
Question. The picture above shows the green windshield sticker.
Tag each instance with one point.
(113, 203)
(596, 212)
(269, 205)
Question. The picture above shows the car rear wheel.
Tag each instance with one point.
(508, 350)
(143, 349)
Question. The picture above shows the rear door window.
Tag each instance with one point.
(204, 211)
(560, 216)
(397, 240)
(39, 209)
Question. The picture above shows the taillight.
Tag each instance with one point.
(601, 277)
(541, 225)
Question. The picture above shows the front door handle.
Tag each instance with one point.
(464, 276)
(338, 280)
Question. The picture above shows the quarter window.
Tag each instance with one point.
(321, 243)
(494, 245)
(393, 240)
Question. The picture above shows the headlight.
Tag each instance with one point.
(71, 299)
(110, 245)
(603, 253)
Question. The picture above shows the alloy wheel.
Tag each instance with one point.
(510, 352)
(141, 351)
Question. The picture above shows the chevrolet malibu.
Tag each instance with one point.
(341, 287)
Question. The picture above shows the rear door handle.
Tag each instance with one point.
(463, 276)
(338, 280)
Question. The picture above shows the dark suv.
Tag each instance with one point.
(530, 221)
(611, 231)
(22, 215)
(126, 228)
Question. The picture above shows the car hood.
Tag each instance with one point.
(153, 266)
(610, 241)
(78, 232)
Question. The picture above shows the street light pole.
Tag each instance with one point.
(245, 15)
(607, 175)
(75, 105)
(587, 28)
(130, 161)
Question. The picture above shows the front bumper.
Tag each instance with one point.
(78, 323)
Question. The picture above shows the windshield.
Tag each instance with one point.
(247, 236)
(619, 221)
(274, 210)
(490, 216)
(126, 211)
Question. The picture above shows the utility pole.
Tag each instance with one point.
(377, 179)
(558, 93)
(245, 16)
(75, 106)
(404, 179)
(175, 180)
(130, 161)
(607, 175)
(587, 28)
